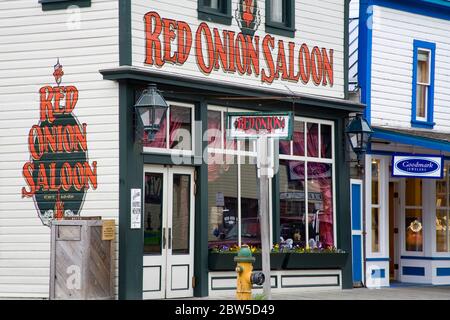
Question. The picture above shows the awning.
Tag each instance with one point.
(425, 139)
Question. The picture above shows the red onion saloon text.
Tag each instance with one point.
(171, 41)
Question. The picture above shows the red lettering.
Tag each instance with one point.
(169, 27)
(153, 44)
(241, 51)
(253, 55)
(305, 63)
(328, 67)
(281, 62)
(46, 97)
(316, 66)
(184, 41)
(27, 172)
(268, 42)
(220, 51)
(204, 29)
(292, 76)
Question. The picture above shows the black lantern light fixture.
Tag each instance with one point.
(151, 109)
(358, 132)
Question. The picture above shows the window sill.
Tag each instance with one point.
(422, 124)
(279, 29)
(214, 16)
(48, 5)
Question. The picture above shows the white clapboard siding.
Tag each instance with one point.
(354, 9)
(318, 23)
(392, 64)
(30, 43)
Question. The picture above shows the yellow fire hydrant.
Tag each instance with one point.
(245, 277)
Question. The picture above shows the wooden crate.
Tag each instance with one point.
(82, 264)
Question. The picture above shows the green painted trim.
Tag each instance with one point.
(311, 276)
(343, 218)
(201, 210)
(211, 15)
(237, 114)
(125, 35)
(346, 47)
(205, 85)
(48, 5)
(131, 245)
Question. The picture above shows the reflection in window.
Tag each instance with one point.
(292, 201)
(413, 215)
(153, 206)
(223, 204)
(443, 213)
(250, 228)
(320, 203)
(179, 130)
(307, 220)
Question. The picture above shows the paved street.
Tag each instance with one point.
(396, 292)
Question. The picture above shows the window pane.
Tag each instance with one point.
(375, 230)
(423, 67)
(375, 181)
(299, 138)
(421, 101)
(292, 201)
(285, 147)
(413, 194)
(180, 128)
(231, 143)
(441, 193)
(153, 206)
(312, 142)
(276, 11)
(181, 205)
(214, 129)
(413, 229)
(214, 4)
(250, 228)
(442, 232)
(223, 203)
(320, 205)
(160, 138)
(325, 138)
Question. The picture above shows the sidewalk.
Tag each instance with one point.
(395, 292)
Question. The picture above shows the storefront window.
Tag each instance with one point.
(413, 215)
(307, 221)
(232, 187)
(443, 213)
(178, 132)
(375, 212)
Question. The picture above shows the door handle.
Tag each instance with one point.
(170, 238)
(164, 238)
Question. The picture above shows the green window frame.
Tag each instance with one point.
(48, 5)
(221, 15)
(285, 28)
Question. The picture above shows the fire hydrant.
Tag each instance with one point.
(245, 277)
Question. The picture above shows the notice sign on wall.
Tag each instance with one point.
(250, 125)
(417, 166)
(136, 203)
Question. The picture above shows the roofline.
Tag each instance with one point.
(433, 8)
(146, 75)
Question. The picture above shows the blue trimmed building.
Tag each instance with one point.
(400, 68)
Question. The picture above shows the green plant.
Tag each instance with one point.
(259, 296)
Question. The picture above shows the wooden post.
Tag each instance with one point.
(264, 172)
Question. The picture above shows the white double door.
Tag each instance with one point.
(168, 232)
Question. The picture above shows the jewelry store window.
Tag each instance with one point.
(443, 212)
(307, 168)
(232, 186)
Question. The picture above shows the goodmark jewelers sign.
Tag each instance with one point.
(250, 125)
(417, 166)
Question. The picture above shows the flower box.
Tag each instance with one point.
(312, 260)
(225, 261)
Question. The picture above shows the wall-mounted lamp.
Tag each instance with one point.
(151, 110)
(359, 132)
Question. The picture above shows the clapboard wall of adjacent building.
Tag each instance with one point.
(317, 23)
(392, 65)
(85, 40)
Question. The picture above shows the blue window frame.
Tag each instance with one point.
(423, 85)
